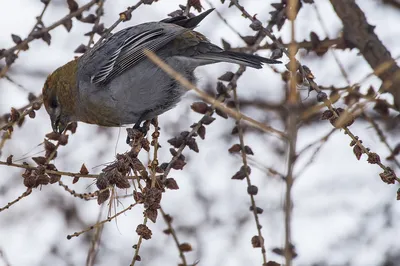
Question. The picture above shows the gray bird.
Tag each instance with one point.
(115, 84)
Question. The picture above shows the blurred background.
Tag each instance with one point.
(342, 212)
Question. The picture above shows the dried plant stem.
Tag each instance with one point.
(85, 196)
(230, 86)
(245, 164)
(314, 86)
(51, 27)
(257, 164)
(340, 65)
(95, 242)
(4, 258)
(174, 236)
(4, 70)
(153, 167)
(62, 173)
(154, 162)
(308, 45)
(109, 219)
(227, 24)
(292, 103)
(25, 111)
(100, 11)
(129, 11)
(382, 136)
(138, 245)
(23, 195)
(319, 142)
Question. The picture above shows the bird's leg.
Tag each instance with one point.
(142, 129)
(137, 126)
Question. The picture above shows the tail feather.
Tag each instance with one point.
(249, 60)
(189, 23)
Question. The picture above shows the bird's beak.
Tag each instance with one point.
(54, 125)
(58, 126)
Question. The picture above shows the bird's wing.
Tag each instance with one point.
(129, 52)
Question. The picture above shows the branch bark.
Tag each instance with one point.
(360, 34)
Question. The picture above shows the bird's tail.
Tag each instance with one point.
(189, 23)
(249, 60)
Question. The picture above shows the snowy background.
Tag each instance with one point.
(343, 213)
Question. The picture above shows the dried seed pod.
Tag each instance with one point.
(178, 164)
(227, 76)
(200, 107)
(322, 96)
(63, 140)
(122, 182)
(30, 181)
(9, 159)
(42, 180)
(81, 49)
(84, 170)
(170, 183)
(248, 150)
(192, 144)
(32, 114)
(252, 190)
(143, 231)
(103, 196)
(36, 106)
(54, 178)
(151, 214)
(258, 210)
(185, 247)
(257, 241)
(53, 136)
(206, 120)
(102, 182)
(373, 158)
(202, 132)
(256, 25)
(40, 160)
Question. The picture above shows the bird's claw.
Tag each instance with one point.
(142, 129)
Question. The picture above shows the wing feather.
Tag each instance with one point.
(130, 52)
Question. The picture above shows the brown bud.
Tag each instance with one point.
(143, 231)
(185, 247)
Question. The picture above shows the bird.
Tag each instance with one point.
(115, 84)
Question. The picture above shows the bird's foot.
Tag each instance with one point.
(131, 132)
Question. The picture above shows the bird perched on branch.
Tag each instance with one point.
(115, 84)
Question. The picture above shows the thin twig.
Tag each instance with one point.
(61, 173)
(51, 27)
(39, 22)
(172, 231)
(382, 136)
(245, 164)
(292, 102)
(109, 219)
(23, 195)
(4, 258)
(99, 12)
(121, 18)
(314, 86)
(138, 245)
(95, 242)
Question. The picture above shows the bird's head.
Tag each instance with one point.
(60, 95)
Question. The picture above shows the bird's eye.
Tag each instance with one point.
(53, 102)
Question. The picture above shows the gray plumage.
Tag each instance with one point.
(117, 76)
